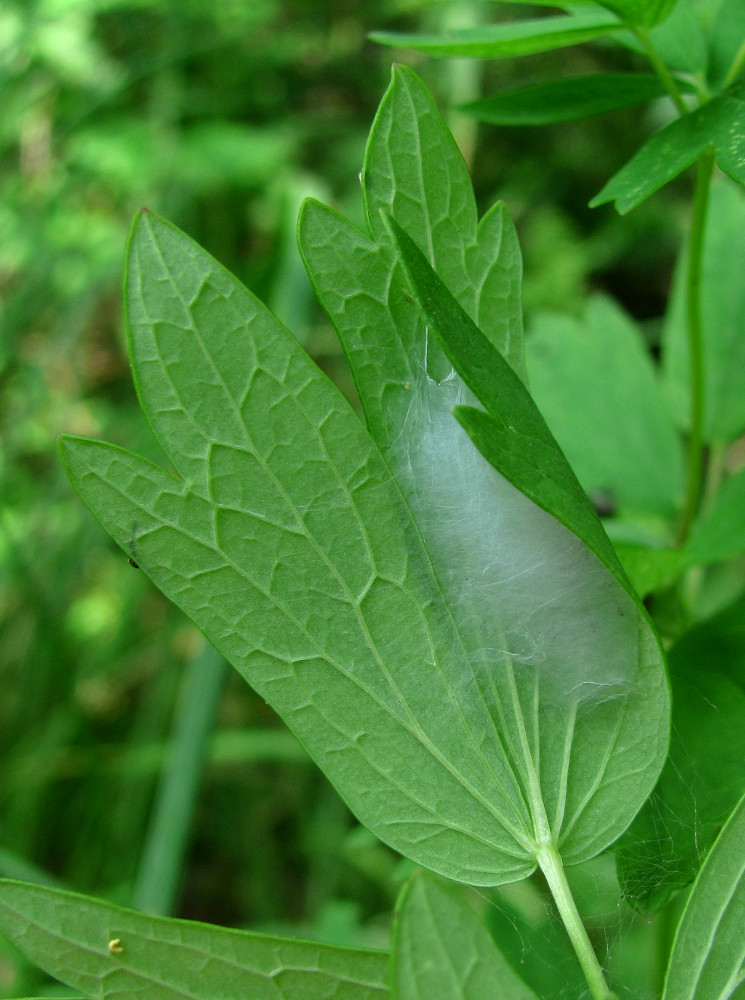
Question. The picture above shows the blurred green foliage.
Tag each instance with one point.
(221, 116)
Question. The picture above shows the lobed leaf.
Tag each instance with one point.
(565, 100)
(442, 951)
(492, 577)
(719, 125)
(708, 956)
(504, 41)
(107, 952)
(463, 668)
(287, 542)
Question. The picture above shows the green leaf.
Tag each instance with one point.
(565, 100)
(725, 41)
(723, 321)
(413, 169)
(288, 543)
(567, 5)
(640, 13)
(504, 41)
(703, 779)
(514, 435)
(442, 951)
(650, 569)
(720, 533)
(680, 42)
(408, 388)
(593, 381)
(515, 439)
(109, 952)
(708, 957)
(336, 590)
(521, 926)
(720, 124)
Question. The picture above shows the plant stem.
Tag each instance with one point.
(552, 867)
(661, 69)
(704, 171)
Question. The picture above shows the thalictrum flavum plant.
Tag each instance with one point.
(426, 594)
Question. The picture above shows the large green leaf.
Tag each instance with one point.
(108, 952)
(464, 725)
(565, 100)
(504, 41)
(288, 543)
(407, 389)
(595, 385)
(442, 951)
(708, 957)
(723, 319)
(720, 124)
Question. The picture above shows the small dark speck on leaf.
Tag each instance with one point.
(133, 563)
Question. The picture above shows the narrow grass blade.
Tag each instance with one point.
(166, 842)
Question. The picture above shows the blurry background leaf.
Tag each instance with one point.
(595, 384)
(442, 951)
(565, 100)
(725, 39)
(502, 41)
(703, 779)
(723, 320)
(640, 12)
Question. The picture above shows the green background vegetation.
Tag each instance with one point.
(221, 116)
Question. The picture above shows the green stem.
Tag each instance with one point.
(661, 69)
(704, 172)
(552, 867)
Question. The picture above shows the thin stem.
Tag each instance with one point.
(661, 69)
(552, 867)
(704, 171)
